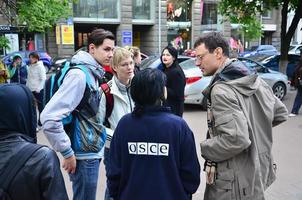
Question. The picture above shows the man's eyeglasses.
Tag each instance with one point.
(200, 57)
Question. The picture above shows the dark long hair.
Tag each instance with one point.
(147, 89)
(174, 54)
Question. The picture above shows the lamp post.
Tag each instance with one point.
(159, 27)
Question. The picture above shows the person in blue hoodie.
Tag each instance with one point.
(17, 70)
(153, 154)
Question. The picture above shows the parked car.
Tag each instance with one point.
(154, 61)
(44, 57)
(261, 49)
(196, 82)
(295, 49)
(272, 62)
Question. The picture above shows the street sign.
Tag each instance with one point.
(127, 38)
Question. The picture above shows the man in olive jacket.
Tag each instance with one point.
(242, 110)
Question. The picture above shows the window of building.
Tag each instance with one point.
(179, 10)
(267, 14)
(96, 9)
(141, 9)
(209, 14)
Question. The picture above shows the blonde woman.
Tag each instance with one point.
(123, 70)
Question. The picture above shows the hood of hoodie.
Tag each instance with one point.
(84, 58)
(238, 76)
(18, 111)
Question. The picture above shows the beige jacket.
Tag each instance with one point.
(244, 111)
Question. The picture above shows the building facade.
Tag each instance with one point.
(149, 24)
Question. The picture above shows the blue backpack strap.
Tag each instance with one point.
(87, 74)
(65, 69)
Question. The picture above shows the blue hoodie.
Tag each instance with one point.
(153, 157)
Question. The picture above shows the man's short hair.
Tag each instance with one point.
(212, 41)
(98, 36)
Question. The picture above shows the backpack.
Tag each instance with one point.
(109, 103)
(14, 166)
(53, 83)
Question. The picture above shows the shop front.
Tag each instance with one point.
(179, 21)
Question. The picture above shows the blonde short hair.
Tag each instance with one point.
(119, 55)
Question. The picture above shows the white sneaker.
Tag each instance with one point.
(292, 115)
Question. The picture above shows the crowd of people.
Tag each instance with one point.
(133, 123)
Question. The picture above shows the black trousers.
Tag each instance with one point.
(39, 99)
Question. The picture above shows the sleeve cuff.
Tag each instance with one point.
(67, 153)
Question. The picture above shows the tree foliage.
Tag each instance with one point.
(40, 15)
(245, 12)
(4, 42)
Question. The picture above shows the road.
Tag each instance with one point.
(286, 150)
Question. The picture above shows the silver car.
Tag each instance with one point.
(196, 82)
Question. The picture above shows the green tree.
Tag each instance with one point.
(35, 15)
(4, 42)
(246, 13)
(40, 15)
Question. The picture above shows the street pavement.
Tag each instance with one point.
(287, 153)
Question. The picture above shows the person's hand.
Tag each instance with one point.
(69, 164)
(2, 72)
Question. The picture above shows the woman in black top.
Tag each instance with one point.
(176, 80)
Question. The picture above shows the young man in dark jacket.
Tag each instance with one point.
(40, 177)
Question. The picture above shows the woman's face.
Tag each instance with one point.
(124, 70)
(167, 58)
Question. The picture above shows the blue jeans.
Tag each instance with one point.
(107, 166)
(297, 102)
(85, 179)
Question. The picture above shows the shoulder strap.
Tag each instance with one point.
(109, 100)
(16, 163)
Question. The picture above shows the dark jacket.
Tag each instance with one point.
(153, 157)
(176, 82)
(297, 76)
(41, 177)
(19, 75)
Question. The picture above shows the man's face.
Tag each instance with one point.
(103, 53)
(206, 61)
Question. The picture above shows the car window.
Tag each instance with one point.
(253, 48)
(145, 63)
(181, 59)
(291, 48)
(188, 64)
(253, 65)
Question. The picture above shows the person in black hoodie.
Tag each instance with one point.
(176, 80)
(40, 177)
(153, 154)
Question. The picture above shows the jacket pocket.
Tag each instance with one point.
(268, 169)
(224, 123)
(223, 188)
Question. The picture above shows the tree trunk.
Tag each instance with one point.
(287, 36)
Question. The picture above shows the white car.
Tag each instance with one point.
(196, 82)
(295, 49)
